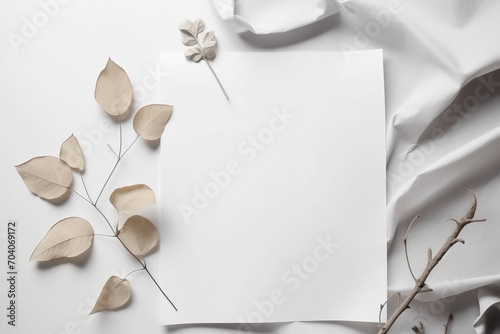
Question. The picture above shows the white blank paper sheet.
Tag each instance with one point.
(273, 203)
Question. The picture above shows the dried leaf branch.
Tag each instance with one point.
(115, 294)
(50, 178)
(432, 261)
(200, 51)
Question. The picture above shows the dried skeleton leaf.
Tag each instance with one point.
(68, 238)
(194, 54)
(209, 40)
(71, 153)
(133, 198)
(204, 50)
(47, 177)
(113, 90)
(190, 31)
(139, 235)
(209, 45)
(149, 121)
(115, 293)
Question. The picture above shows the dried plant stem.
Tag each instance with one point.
(447, 326)
(212, 70)
(420, 285)
(133, 271)
(405, 241)
(216, 78)
(104, 235)
(161, 290)
(385, 303)
(115, 232)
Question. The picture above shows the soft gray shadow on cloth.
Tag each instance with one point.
(298, 35)
(233, 328)
(262, 328)
(458, 112)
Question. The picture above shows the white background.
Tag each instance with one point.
(431, 51)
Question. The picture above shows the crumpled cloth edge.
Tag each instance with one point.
(486, 299)
(226, 10)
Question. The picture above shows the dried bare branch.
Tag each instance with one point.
(420, 285)
(405, 241)
(447, 326)
(385, 303)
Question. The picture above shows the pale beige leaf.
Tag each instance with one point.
(188, 39)
(186, 27)
(209, 40)
(209, 53)
(198, 26)
(115, 293)
(139, 235)
(68, 238)
(192, 28)
(71, 153)
(149, 121)
(47, 177)
(194, 54)
(113, 90)
(133, 198)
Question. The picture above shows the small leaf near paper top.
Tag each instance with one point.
(149, 121)
(209, 45)
(188, 40)
(71, 153)
(115, 293)
(192, 29)
(133, 198)
(205, 50)
(195, 54)
(139, 235)
(209, 40)
(209, 54)
(113, 90)
(68, 238)
(47, 177)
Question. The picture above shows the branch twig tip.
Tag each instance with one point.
(472, 210)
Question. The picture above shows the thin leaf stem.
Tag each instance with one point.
(385, 303)
(144, 267)
(85, 187)
(448, 323)
(133, 271)
(216, 78)
(121, 138)
(163, 292)
(105, 235)
(105, 218)
(85, 199)
(120, 156)
(130, 146)
(115, 232)
(112, 150)
(405, 241)
(107, 180)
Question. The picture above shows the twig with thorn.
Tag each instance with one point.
(432, 261)
(447, 326)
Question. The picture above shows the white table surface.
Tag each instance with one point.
(46, 89)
